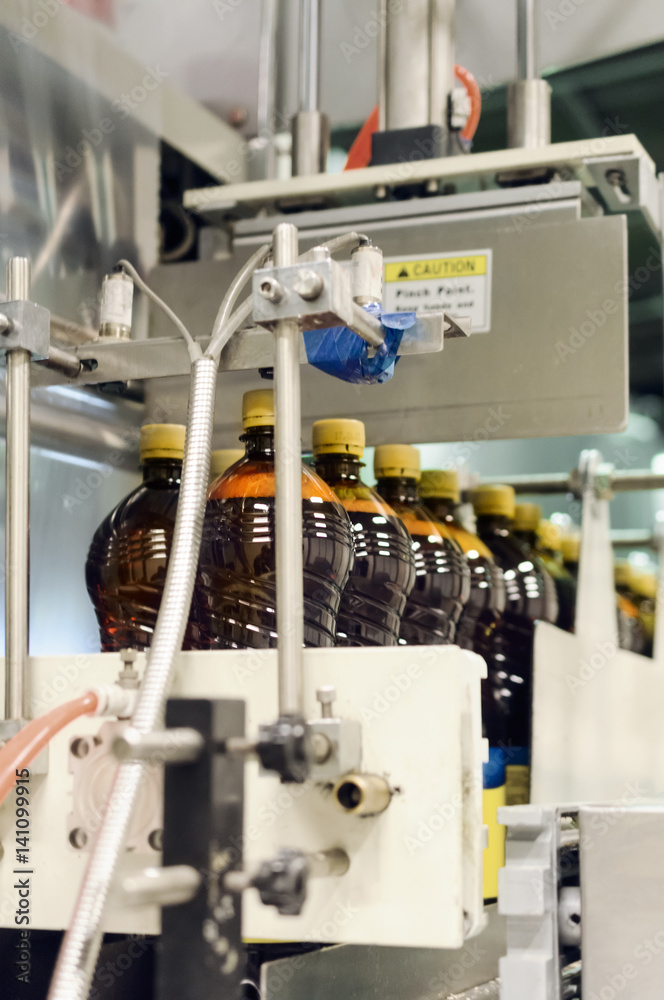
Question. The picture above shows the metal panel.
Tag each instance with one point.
(597, 729)
(355, 972)
(406, 885)
(554, 362)
(622, 886)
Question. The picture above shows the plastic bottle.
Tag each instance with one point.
(628, 598)
(235, 596)
(644, 588)
(528, 599)
(549, 548)
(126, 566)
(383, 575)
(439, 490)
(222, 459)
(442, 584)
(525, 525)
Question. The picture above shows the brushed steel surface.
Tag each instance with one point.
(622, 885)
(552, 273)
(356, 972)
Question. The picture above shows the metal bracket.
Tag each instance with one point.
(27, 326)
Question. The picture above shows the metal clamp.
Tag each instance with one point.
(336, 742)
(27, 326)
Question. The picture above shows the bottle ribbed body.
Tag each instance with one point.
(235, 598)
(486, 601)
(442, 576)
(383, 575)
(128, 558)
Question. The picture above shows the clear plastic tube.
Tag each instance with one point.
(21, 750)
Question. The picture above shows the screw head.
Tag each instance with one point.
(308, 285)
(327, 694)
(78, 838)
(156, 840)
(271, 290)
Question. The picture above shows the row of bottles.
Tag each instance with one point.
(381, 567)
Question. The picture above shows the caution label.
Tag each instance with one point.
(457, 283)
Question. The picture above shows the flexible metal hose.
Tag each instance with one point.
(80, 949)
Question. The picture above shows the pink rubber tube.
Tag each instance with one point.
(19, 752)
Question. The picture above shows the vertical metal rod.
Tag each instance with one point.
(406, 65)
(267, 86)
(290, 597)
(441, 59)
(526, 47)
(17, 515)
(309, 54)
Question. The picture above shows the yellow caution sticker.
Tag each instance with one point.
(456, 283)
(436, 267)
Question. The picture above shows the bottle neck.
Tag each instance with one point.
(442, 508)
(398, 489)
(530, 537)
(162, 470)
(488, 523)
(335, 467)
(258, 442)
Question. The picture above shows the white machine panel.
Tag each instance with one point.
(415, 873)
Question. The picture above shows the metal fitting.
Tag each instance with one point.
(308, 285)
(362, 794)
(271, 290)
(26, 326)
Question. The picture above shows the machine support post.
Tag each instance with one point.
(17, 512)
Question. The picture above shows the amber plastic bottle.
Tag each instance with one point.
(221, 459)
(526, 523)
(383, 575)
(126, 566)
(628, 601)
(528, 598)
(439, 490)
(549, 549)
(442, 576)
(235, 595)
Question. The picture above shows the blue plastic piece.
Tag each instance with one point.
(340, 352)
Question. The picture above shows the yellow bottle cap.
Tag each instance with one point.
(258, 408)
(550, 536)
(336, 437)
(571, 548)
(223, 458)
(162, 441)
(527, 516)
(644, 584)
(490, 498)
(623, 573)
(396, 460)
(440, 483)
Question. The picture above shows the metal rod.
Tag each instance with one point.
(168, 746)
(309, 54)
(290, 597)
(526, 46)
(17, 514)
(633, 539)
(562, 482)
(406, 74)
(64, 361)
(441, 59)
(169, 886)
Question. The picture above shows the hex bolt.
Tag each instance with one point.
(271, 290)
(78, 838)
(326, 696)
(308, 285)
(79, 748)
